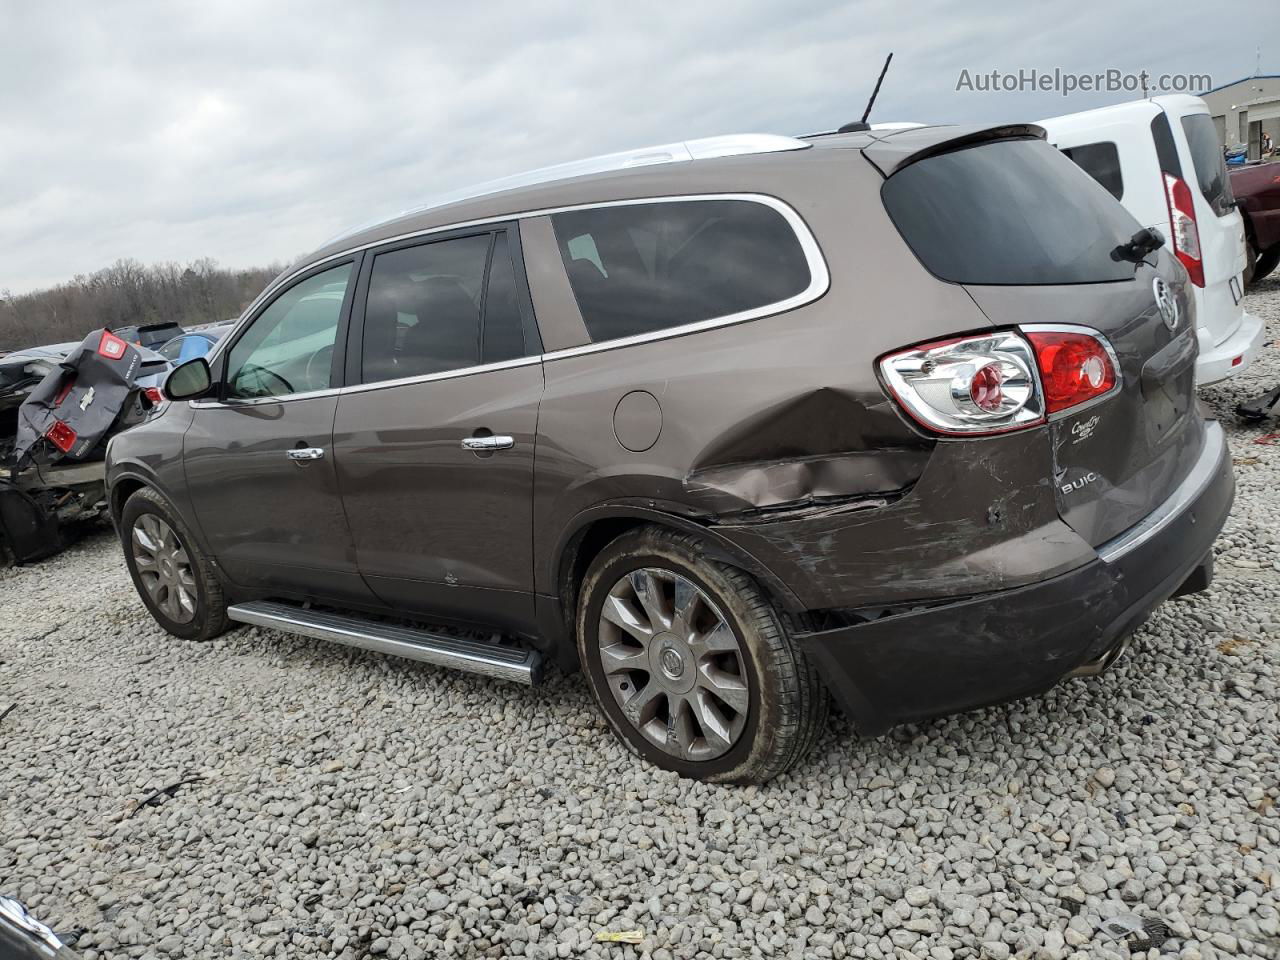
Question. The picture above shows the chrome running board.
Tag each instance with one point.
(473, 656)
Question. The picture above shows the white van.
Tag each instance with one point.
(1161, 158)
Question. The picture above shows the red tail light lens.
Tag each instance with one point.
(111, 346)
(1075, 367)
(153, 395)
(969, 386)
(61, 436)
(1186, 234)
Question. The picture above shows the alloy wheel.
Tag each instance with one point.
(673, 664)
(164, 568)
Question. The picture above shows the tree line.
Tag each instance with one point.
(127, 293)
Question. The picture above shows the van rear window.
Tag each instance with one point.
(1011, 212)
(1210, 164)
(1100, 161)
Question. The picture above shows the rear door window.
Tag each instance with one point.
(502, 333)
(441, 306)
(639, 268)
(1210, 164)
(1100, 161)
(1008, 212)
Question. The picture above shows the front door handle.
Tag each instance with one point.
(486, 444)
(306, 453)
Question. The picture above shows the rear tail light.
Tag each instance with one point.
(1075, 367)
(998, 382)
(1186, 234)
(61, 436)
(153, 395)
(111, 346)
(967, 386)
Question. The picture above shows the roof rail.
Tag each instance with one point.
(685, 151)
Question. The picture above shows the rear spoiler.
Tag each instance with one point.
(901, 148)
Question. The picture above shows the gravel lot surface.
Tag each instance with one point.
(347, 804)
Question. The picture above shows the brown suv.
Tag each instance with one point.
(904, 417)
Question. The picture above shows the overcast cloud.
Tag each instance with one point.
(251, 132)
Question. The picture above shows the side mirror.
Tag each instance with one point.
(189, 380)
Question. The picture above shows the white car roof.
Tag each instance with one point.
(1141, 111)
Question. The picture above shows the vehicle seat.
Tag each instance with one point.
(446, 336)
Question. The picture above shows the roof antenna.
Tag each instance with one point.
(856, 125)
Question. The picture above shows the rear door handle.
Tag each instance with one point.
(484, 444)
(306, 453)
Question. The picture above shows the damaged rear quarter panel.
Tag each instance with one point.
(981, 518)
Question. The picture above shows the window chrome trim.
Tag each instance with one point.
(443, 375)
(819, 283)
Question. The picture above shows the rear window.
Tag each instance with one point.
(1100, 161)
(1008, 212)
(1210, 164)
(643, 267)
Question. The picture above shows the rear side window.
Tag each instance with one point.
(644, 267)
(1210, 164)
(1008, 212)
(1100, 161)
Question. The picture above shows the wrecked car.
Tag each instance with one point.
(57, 406)
(900, 418)
(1257, 192)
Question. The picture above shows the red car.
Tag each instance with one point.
(1257, 192)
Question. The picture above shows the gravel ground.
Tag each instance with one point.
(350, 804)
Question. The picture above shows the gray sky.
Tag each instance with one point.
(252, 132)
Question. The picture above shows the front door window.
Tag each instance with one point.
(288, 348)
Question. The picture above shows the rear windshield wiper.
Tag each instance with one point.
(1145, 241)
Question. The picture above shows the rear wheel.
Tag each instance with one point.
(691, 664)
(173, 578)
(1266, 262)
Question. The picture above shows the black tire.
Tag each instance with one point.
(1266, 262)
(210, 616)
(787, 701)
(1250, 259)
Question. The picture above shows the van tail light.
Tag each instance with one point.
(154, 397)
(967, 386)
(1186, 234)
(999, 382)
(61, 436)
(1075, 367)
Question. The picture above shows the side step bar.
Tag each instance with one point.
(491, 660)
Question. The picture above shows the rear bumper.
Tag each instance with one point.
(1232, 356)
(999, 646)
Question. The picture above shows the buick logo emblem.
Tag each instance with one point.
(1167, 304)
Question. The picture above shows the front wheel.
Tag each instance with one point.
(173, 578)
(691, 664)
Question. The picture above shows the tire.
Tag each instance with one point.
(1250, 258)
(1266, 262)
(785, 701)
(147, 512)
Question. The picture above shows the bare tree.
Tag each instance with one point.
(128, 292)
